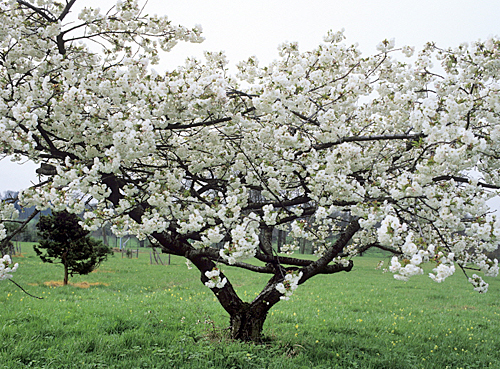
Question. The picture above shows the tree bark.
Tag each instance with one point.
(302, 244)
(65, 282)
(247, 323)
(104, 236)
(247, 320)
(281, 239)
(65, 264)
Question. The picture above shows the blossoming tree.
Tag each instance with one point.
(195, 157)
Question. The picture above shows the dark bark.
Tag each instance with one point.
(317, 266)
(66, 278)
(266, 237)
(281, 239)
(247, 324)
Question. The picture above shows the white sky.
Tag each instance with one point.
(257, 27)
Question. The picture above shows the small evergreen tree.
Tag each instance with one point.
(64, 241)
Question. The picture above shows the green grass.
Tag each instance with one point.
(154, 316)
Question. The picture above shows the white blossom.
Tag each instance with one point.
(6, 267)
(289, 284)
(215, 280)
(479, 284)
(442, 271)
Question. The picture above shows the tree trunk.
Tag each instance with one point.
(281, 239)
(302, 244)
(104, 236)
(247, 323)
(65, 282)
(65, 265)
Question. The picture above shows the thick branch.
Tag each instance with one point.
(214, 255)
(199, 124)
(334, 250)
(403, 136)
(9, 237)
(282, 204)
(336, 268)
(41, 12)
(283, 260)
(464, 180)
(66, 10)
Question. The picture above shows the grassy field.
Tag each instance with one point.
(129, 314)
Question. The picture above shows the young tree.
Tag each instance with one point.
(63, 240)
(384, 153)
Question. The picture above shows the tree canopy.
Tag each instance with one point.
(405, 151)
(64, 241)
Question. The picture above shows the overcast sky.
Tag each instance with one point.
(257, 27)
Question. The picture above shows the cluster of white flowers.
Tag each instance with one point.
(445, 268)
(3, 231)
(488, 267)
(7, 211)
(244, 243)
(478, 283)
(289, 248)
(390, 230)
(298, 229)
(386, 45)
(413, 258)
(442, 271)
(289, 284)
(269, 214)
(212, 236)
(404, 272)
(6, 267)
(194, 223)
(215, 280)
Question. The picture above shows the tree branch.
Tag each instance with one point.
(199, 124)
(402, 136)
(26, 292)
(303, 117)
(331, 252)
(464, 180)
(39, 11)
(7, 239)
(336, 268)
(66, 10)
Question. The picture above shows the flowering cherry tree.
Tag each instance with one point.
(383, 153)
